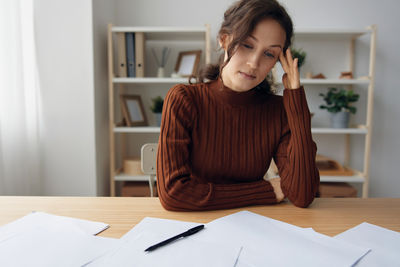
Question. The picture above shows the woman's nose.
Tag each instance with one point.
(253, 60)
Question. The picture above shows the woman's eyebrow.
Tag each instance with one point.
(275, 45)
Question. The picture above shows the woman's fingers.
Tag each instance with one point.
(289, 58)
(295, 68)
(287, 61)
(291, 77)
(283, 61)
(285, 81)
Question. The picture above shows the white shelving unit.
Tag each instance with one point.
(367, 82)
(116, 84)
(187, 33)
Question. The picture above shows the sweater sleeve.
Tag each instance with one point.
(178, 187)
(295, 157)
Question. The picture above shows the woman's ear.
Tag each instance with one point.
(221, 41)
(224, 41)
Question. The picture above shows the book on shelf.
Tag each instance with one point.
(130, 53)
(121, 55)
(139, 53)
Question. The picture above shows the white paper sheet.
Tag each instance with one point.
(39, 246)
(184, 252)
(270, 242)
(49, 221)
(385, 244)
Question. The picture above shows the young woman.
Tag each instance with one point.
(218, 137)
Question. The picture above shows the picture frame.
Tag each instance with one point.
(133, 111)
(187, 63)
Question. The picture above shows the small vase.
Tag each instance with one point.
(340, 119)
(158, 118)
(160, 72)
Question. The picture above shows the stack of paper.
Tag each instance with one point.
(241, 239)
(384, 244)
(41, 239)
(268, 241)
(186, 252)
(50, 221)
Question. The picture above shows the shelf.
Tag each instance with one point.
(145, 129)
(190, 30)
(155, 129)
(360, 130)
(150, 80)
(327, 32)
(160, 29)
(347, 179)
(126, 177)
(155, 80)
(167, 33)
(332, 81)
(335, 81)
(179, 35)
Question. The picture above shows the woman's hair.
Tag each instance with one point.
(239, 22)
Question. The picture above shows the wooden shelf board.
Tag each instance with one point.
(160, 29)
(126, 177)
(155, 129)
(167, 33)
(298, 31)
(348, 179)
(323, 32)
(360, 130)
(155, 80)
(304, 81)
(150, 80)
(145, 129)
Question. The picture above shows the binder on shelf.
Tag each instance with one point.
(130, 53)
(121, 55)
(139, 53)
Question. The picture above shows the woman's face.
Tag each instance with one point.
(255, 57)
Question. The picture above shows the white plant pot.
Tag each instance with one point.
(340, 119)
(158, 118)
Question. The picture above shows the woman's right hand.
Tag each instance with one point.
(276, 184)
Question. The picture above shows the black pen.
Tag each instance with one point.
(169, 240)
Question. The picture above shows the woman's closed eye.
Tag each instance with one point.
(247, 46)
(269, 54)
(266, 53)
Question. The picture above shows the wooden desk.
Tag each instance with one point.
(327, 216)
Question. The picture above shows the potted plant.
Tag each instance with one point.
(157, 107)
(338, 104)
(300, 54)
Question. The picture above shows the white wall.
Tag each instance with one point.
(103, 13)
(65, 55)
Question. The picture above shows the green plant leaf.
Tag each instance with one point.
(300, 55)
(157, 105)
(337, 100)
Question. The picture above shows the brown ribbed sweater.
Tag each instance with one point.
(216, 145)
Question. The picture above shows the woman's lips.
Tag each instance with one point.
(247, 76)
